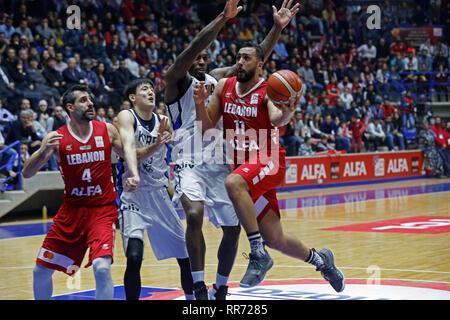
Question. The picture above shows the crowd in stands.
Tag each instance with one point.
(364, 88)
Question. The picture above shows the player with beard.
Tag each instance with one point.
(88, 214)
(199, 177)
(260, 169)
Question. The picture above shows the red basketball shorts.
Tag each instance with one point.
(263, 180)
(74, 230)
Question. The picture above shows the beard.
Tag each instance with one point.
(245, 76)
(87, 116)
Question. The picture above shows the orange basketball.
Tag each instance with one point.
(282, 85)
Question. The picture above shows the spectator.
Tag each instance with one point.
(40, 83)
(44, 31)
(100, 114)
(387, 108)
(313, 107)
(131, 64)
(121, 77)
(7, 28)
(290, 141)
(90, 77)
(347, 97)
(323, 145)
(441, 83)
(24, 130)
(333, 91)
(356, 129)
(374, 133)
(345, 134)
(330, 129)
(368, 51)
(314, 126)
(407, 111)
(60, 65)
(110, 114)
(307, 73)
(440, 129)
(43, 114)
(410, 78)
(71, 75)
(57, 119)
(53, 77)
(306, 148)
(393, 135)
(7, 158)
(427, 143)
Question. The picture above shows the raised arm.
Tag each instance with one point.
(177, 78)
(208, 116)
(39, 158)
(281, 19)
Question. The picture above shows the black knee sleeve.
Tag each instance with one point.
(132, 278)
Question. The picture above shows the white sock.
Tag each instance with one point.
(198, 276)
(42, 282)
(104, 287)
(221, 281)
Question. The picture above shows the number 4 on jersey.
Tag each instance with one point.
(86, 175)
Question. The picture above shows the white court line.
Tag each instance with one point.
(244, 265)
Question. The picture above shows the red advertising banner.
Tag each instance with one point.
(337, 168)
(342, 168)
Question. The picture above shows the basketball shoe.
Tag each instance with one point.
(329, 271)
(200, 291)
(256, 270)
(218, 293)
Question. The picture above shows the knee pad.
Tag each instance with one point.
(135, 251)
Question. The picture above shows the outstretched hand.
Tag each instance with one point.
(201, 93)
(231, 10)
(164, 135)
(283, 16)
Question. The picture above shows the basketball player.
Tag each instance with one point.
(261, 168)
(200, 183)
(150, 207)
(87, 216)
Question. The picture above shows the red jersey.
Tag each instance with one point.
(247, 127)
(86, 166)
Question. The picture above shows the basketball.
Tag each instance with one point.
(282, 85)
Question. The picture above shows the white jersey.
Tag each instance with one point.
(152, 171)
(188, 144)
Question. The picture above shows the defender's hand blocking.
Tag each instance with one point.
(283, 16)
(164, 135)
(201, 93)
(231, 10)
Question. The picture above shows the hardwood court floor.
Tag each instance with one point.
(415, 256)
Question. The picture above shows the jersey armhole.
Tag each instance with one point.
(181, 93)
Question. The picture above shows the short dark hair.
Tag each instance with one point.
(133, 85)
(257, 47)
(69, 96)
